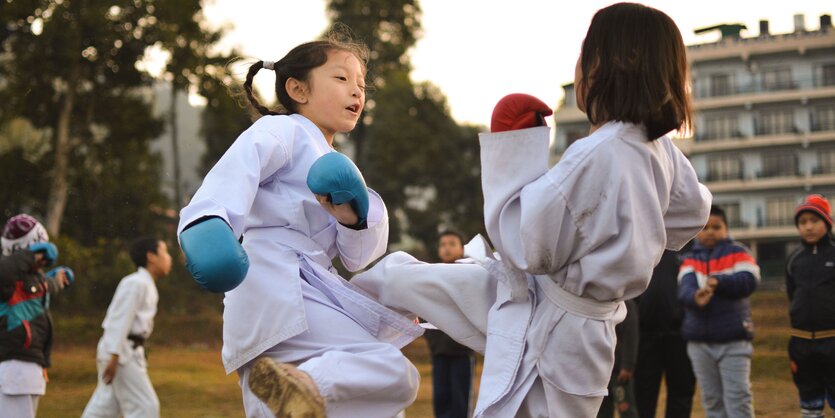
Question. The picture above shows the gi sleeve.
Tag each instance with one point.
(526, 217)
(689, 205)
(358, 248)
(229, 189)
(120, 315)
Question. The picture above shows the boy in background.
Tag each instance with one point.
(715, 281)
(124, 387)
(810, 284)
(452, 363)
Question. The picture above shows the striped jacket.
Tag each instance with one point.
(727, 317)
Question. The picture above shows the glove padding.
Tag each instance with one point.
(214, 257)
(48, 249)
(334, 175)
(518, 111)
(67, 271)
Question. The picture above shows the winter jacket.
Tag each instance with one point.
(25, 324)
(810, 284)
(727, 317)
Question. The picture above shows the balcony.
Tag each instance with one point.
(746, 48)
(703, 145)
(771, 181)
(751, 232)
(746, 96)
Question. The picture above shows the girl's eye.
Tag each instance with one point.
(342, 78)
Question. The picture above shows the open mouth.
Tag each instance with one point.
(353, 108)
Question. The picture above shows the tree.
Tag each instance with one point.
(225, 115)
(71, 68)
(189, 40)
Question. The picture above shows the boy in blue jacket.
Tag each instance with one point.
(715, 281)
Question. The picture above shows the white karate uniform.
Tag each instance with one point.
(131, 312)
(22, 384)
(575, 241)
(292, 306)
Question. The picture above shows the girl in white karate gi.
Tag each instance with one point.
(304, 341)
(575, 240)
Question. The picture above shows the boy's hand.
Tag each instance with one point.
(110, 371)
(48, 253)
(703, 296)
(63, 274)
(518, 111)
(712, 282)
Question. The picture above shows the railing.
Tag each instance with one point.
(714, 176)
(757, 86)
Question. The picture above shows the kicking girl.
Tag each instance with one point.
(575, 240)
(304, 341)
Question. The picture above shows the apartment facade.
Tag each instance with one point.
(764, 129)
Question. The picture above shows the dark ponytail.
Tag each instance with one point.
(297, 64)
(253, 69)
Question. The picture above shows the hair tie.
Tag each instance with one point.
(270, 65)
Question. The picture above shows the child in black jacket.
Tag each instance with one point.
(810, 283)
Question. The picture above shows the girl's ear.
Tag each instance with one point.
(297, 90)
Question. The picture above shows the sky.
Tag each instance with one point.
(477, 51)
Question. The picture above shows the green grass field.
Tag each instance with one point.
(190, 381)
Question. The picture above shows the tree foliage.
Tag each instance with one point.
(74, 70)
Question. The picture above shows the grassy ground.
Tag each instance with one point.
(190, 381)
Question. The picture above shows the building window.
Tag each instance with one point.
(724, 167)
(779, 164)
(721, 126)
(824, 118)
(779, 211)
(777, 79)
(721, 85)
(773, 122)
(826, 161)
(828, 75)
(732, 213)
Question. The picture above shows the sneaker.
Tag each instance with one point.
(287, 391)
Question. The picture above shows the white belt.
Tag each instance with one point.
(577, 305)
(301, 243)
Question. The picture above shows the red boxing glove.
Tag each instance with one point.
(518, 111)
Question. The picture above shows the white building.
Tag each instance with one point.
(764, 129)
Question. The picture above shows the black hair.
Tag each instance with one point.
(451, 233)
(140, 247)
(634, 69)
(297, 64)
(717, 211)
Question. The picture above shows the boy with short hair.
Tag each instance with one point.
(715, 281)
(124, 387)
(452, 362)
(810, 284)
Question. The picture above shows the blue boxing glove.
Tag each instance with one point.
(334, 175)
(67, 271)
(48, 249)
(214, 257)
